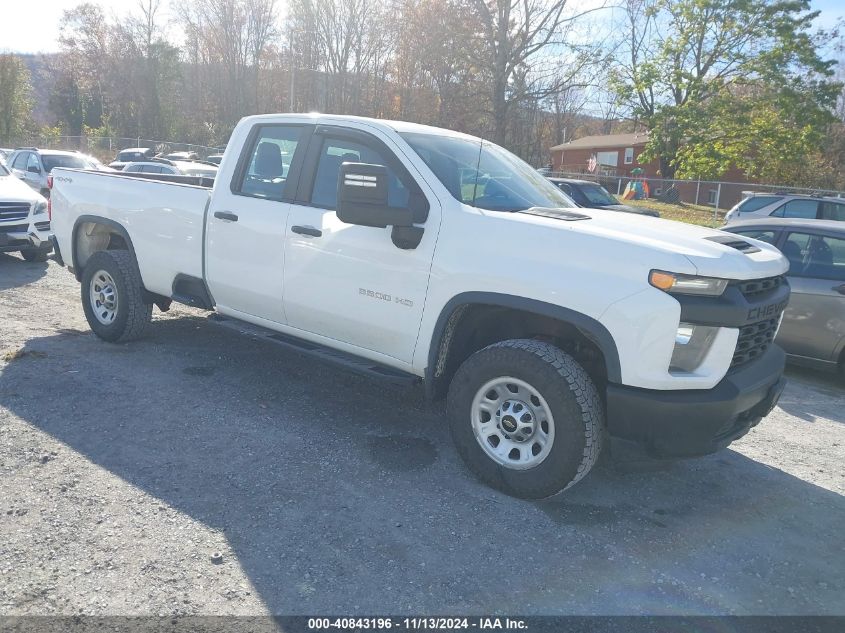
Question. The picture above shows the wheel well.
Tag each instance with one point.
(92, 237)
(470, 328)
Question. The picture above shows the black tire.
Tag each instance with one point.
(571, 397)
(36, 254)
(133, 313)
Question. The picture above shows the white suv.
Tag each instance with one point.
(24, 221)
(782, 205)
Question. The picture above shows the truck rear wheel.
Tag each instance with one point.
(113, 297)
(526, 418)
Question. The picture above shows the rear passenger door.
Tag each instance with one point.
(814, 321)
(246, 223)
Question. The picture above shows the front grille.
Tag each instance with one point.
(754, 340)
(10, 211)
(756, 287)
(14, 228)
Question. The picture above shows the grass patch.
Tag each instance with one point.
(14, 354)
(682, 212)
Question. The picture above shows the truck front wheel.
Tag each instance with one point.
(113, 297)
(526, 418)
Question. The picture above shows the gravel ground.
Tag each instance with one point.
(200, 472)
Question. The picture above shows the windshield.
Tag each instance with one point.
(484, 175)
(51, 161)
(598, 195)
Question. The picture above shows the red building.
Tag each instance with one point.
(612, 157)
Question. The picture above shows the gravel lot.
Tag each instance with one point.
(126, 469)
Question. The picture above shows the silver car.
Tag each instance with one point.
(787, 205)
(813, 327)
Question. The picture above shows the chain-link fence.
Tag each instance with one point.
(106, 147)
(720, 195)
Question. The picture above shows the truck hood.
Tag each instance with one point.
(14, 190)
(699, 245)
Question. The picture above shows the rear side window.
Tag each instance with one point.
(833, 211)
(269, 159)
(801, 208)
(33, 162)
(132, 168)
(335, 152)
(755, 203)
(816, 256)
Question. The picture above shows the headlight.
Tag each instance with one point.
(687, 284)
(692, 342)
(40, 207)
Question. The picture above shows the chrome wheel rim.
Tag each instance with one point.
(103, 297)
(512, 423)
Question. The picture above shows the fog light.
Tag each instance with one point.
(692, 342)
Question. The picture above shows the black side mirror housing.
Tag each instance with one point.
(362, 197)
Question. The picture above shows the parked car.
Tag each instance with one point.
(173, 167)
(184, 156)
(4, 153)
(130, 155)
(95, 164)
(787, 205)
(33, 165)
(366, 250)
(592, 195)
(813, 328)
(24, 221)
(215, 158)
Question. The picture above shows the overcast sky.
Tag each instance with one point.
(32, 27)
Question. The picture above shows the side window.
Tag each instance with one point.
(763, 236)
(756, 202)
(32, 161)
(269, 158)
(20, 161)
(815, 256)
(801, 208)
(565, 188)
(333, 153)
(833, 211)
(629, 155)
(133, 168)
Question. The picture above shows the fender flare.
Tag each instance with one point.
(82, 219)
(590, 327)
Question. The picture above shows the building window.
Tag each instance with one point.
(629, 155)
(711, 196)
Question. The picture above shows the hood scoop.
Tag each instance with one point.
(556, 214)
(734, 242)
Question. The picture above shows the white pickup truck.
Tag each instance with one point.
(416, 253)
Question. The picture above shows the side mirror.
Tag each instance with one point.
(362, 197)
(33, 169)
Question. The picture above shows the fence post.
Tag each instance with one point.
(618, 186)
(697, 189)
(718, 197)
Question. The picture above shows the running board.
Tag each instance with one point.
(348, 361)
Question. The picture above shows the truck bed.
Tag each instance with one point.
(164, 216)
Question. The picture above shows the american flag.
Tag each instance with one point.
(591, 164)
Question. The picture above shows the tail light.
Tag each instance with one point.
(50, 198)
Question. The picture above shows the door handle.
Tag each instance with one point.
(307, 230)
(226, 215)
(840, 289)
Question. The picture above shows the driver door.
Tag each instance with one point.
(351, 283)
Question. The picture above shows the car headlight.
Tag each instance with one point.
(692, 342)
(40, 207)
(687, 284)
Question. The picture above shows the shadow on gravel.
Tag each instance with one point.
(341, 495)
(15, 271)
(814, 394)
